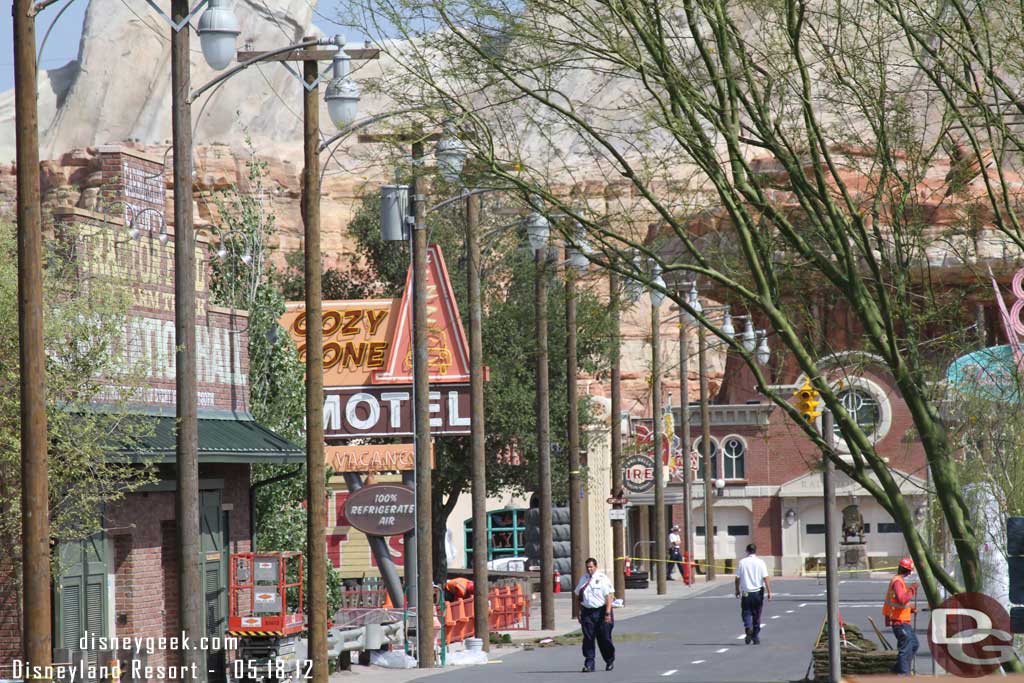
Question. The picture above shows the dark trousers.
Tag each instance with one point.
(594, 627)
(751, 605)
(677, 557)
(906, 645)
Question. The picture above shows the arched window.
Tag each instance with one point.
(734, 451)
(863, 407)
(700, 458)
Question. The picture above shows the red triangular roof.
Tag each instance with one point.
(448, 351)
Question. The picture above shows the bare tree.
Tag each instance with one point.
(794, 156)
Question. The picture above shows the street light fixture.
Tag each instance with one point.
(538, 229)
(749, 338)
(451, 155)
(764, 354)
(657, 285)
(342, 94)
(578, 256)
(218, 30)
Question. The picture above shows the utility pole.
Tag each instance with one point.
(547, 576)
(187, 452)
(316, 474)
(421, 413)
(705, 447)
(684, 429)
(478, 461)
(576, 487)
(658, 565)
(835, 672)
(35, 516)
(421, 390)
(618, 530)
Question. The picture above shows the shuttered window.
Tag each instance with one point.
(81, 595)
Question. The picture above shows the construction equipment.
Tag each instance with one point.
(265, 614)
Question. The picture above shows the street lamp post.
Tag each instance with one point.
(538, 230)
(187, 398)
(575, 261)
(478, 461)
(35, 524)
(618, 527)
(684, 435)
(657, 297)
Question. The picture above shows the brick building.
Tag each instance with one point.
(123, 581)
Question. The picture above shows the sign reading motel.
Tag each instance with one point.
(351, 412)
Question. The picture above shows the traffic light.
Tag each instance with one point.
(808, 401)
(1015, 553)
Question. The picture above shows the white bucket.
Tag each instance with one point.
(474, 644)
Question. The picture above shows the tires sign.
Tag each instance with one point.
(638, 473)
(382, 509)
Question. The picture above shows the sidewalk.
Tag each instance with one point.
(638, 602)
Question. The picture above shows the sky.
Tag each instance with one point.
(62, 45)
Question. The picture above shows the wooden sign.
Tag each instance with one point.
(399, 457)
(382, 509)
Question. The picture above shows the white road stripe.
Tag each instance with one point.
(763, 625)
(789, 611)
(721, 650)
(698, 661)
(802, 604)
(741, 637)
(775, 617)
(670, 672)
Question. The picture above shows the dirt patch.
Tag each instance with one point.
(576, 638)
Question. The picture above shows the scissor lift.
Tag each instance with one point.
(265, 614)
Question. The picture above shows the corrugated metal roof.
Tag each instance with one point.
(220, 440)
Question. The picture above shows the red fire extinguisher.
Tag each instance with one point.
(558, 582)
(629, 567)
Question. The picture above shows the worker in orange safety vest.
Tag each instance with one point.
(898, 610)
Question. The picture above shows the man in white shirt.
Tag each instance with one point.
(675, 553)
(595, 593)
(752, 585)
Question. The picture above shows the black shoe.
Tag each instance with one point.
(587, 669)
(669, 578)
(757, 640)
(747, 638)
(609, 666)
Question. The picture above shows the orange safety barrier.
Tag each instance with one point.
(449, 622)
(509, 608)
(458, 620)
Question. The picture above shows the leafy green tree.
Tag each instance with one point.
(243, 277)
(91, 384)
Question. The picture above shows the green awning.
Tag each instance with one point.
(234, 440)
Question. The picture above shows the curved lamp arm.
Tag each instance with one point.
(359, 125)
(255, 60)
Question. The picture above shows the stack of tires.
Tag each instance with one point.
(637, 580)
(562, 546)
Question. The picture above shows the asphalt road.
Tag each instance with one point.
(701, 639)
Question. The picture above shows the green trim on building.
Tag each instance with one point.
(231, 439)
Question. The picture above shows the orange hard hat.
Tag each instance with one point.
(907, 563)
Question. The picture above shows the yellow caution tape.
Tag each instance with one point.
(719, 565)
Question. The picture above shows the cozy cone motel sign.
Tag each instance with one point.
(368, 361)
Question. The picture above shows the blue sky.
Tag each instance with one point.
(62, 45)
